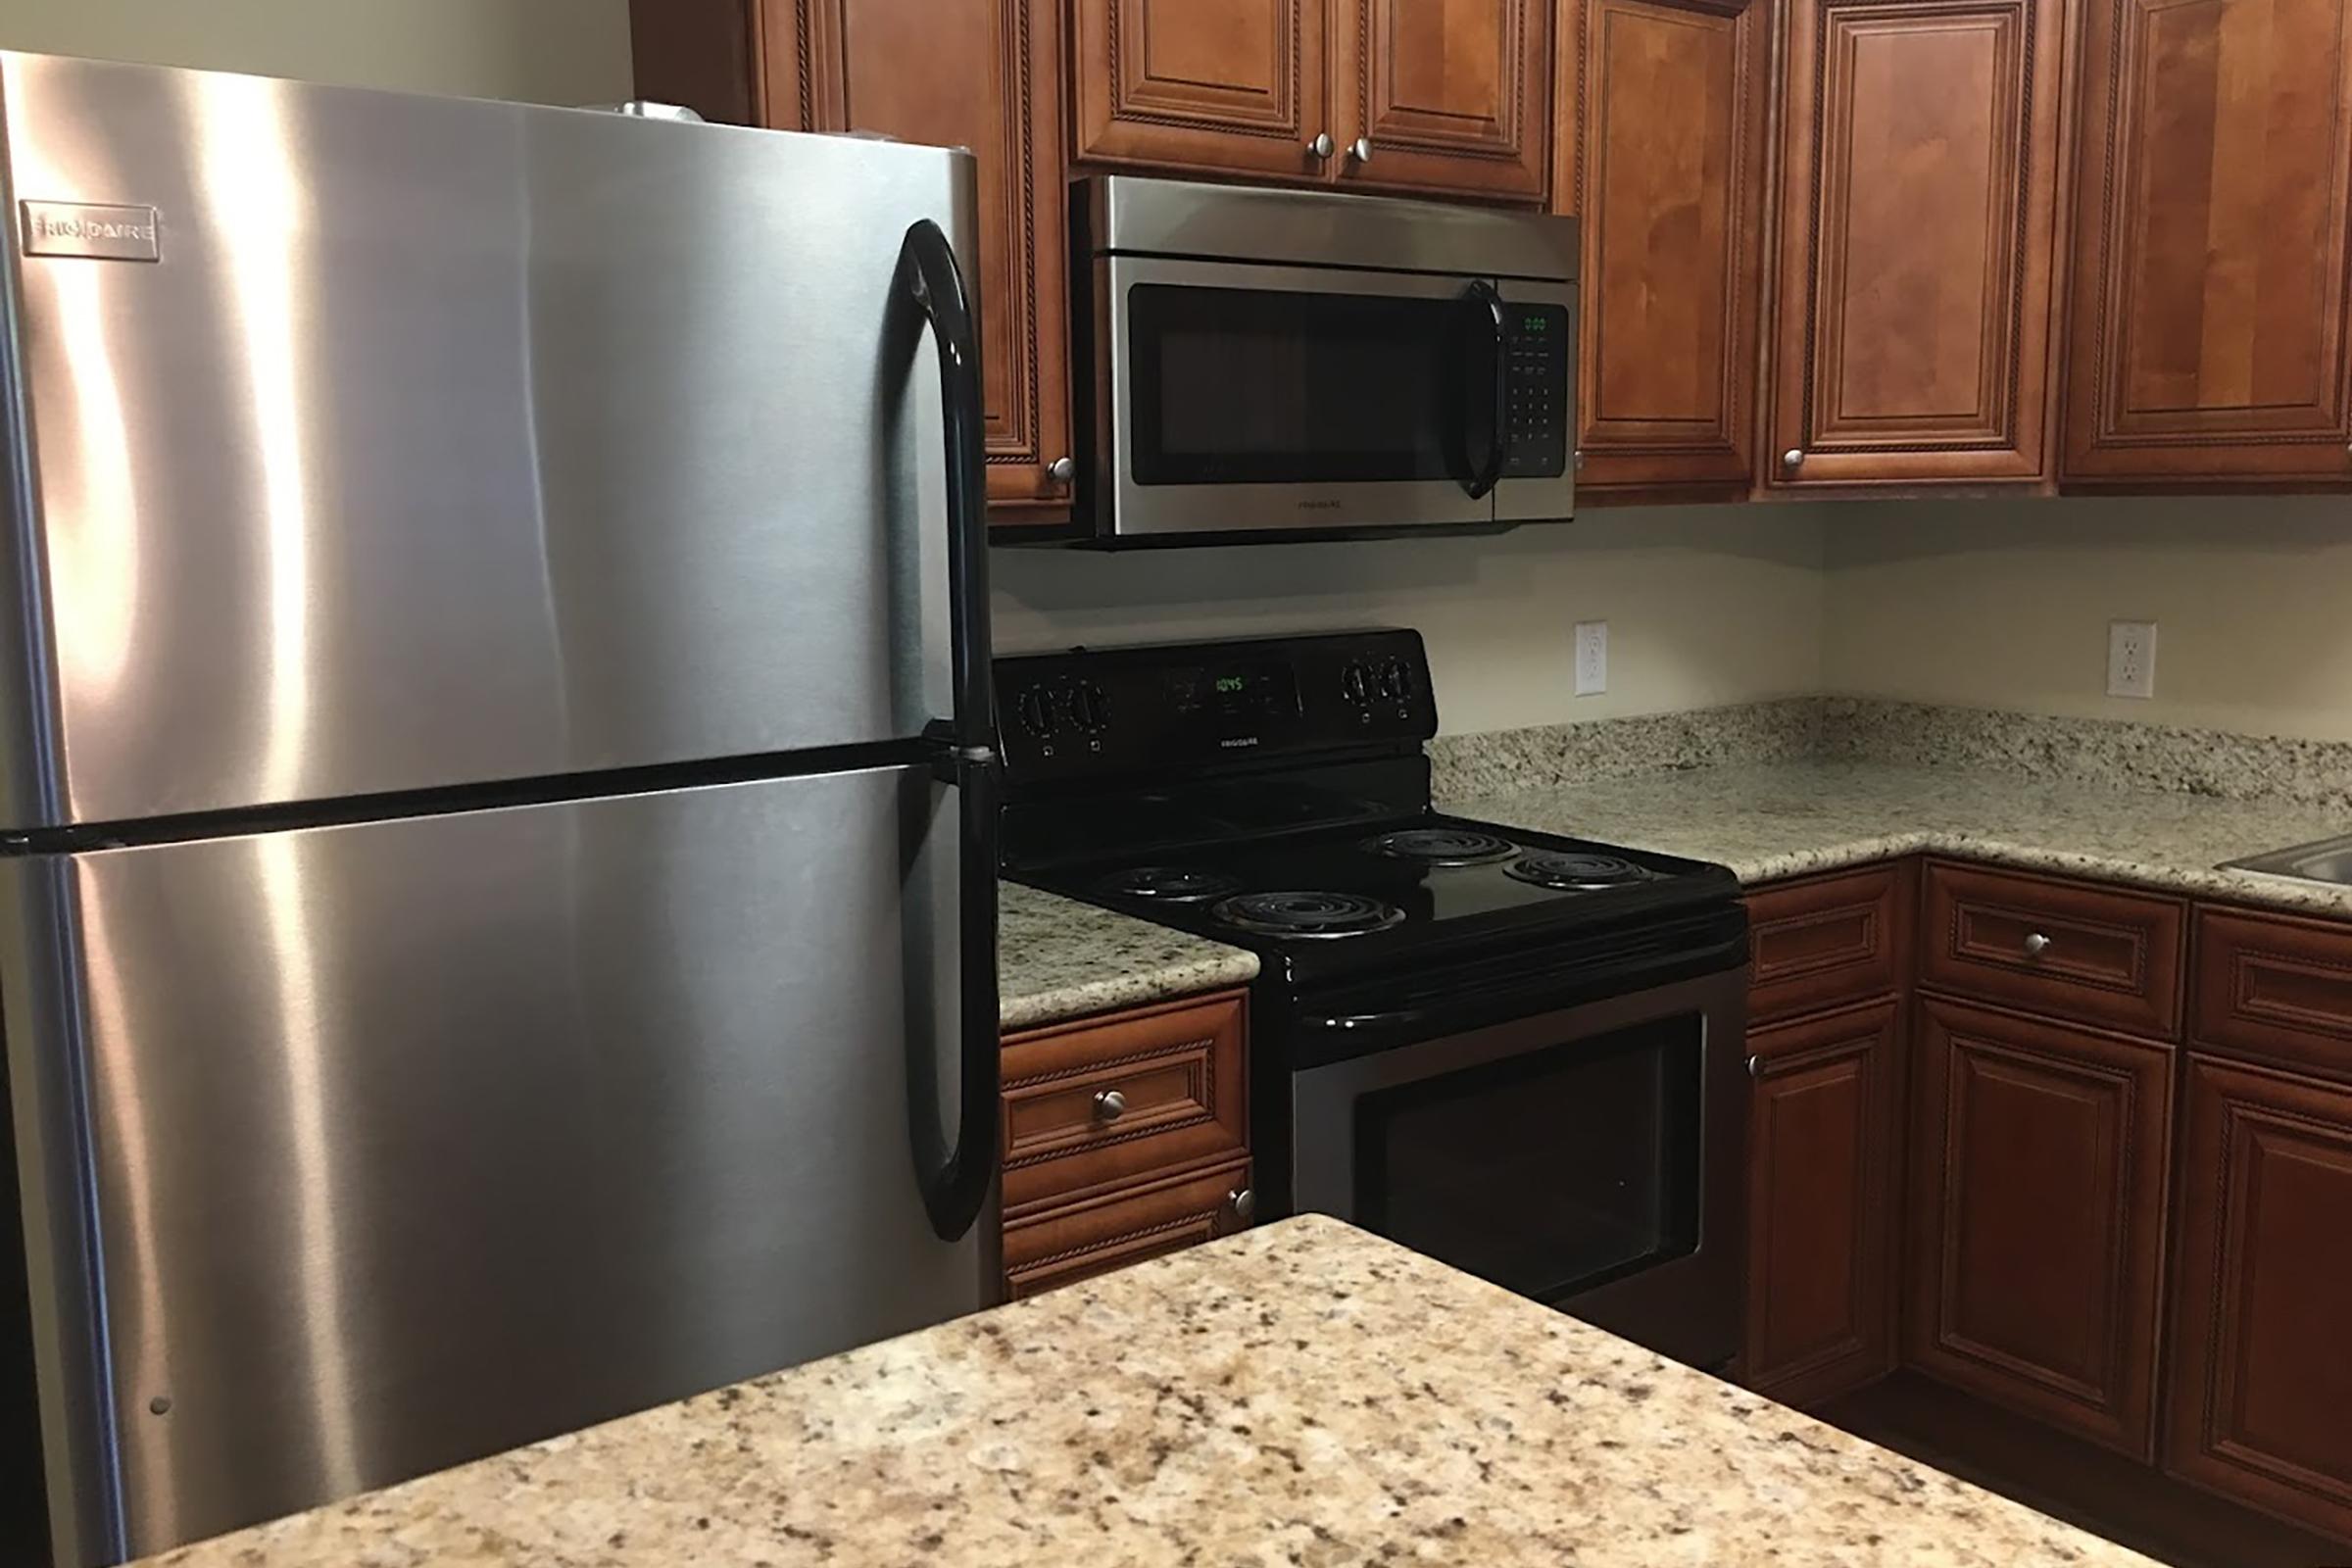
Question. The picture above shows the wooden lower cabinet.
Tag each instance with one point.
(1824, 1172)
(1124, 1136)
(1149, 1220)
(2261, 1401)
(2039, 1217)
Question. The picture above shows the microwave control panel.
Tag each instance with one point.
(1537, 359)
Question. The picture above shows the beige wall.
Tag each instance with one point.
(1704, 606)
(539, 51)
(2006, 604)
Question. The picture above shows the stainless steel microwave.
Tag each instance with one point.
(1264, 364)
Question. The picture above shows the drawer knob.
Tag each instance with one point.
(1756, 1067)
(1109, 1104)
(2037, 945)
(1243, 1202)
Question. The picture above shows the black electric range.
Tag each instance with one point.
(1518, 1052)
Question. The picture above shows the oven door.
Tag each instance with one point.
(1241, 399)
(1589, 1158)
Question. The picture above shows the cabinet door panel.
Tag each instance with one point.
(2261, 1363)
(2038, 1226)
(1669, 183)
(1135, 1223)
(1451, 94)
(977, 74)
(1918, 215)
(2213, 244)
(1823, 1169)
(1233, 86)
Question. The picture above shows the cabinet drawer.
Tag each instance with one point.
(2275, 989)
(1091, 1105)
(1828, 939)
(1084, 1240)
(2060, 948)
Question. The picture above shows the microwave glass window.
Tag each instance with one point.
(1548, 1173)
(1242, 386)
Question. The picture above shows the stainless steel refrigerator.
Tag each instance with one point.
(496, 911)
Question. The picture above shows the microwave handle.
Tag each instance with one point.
(1486, 304)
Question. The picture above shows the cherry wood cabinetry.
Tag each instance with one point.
(2261, 1299)
(1824, 1170)
(1665, 102)
(977, 74)
(2213, 246)
(1828, 939)
(1124, 1136)
(2098, 955)
(2275, 989)
(2037, 1230)
(1436, 95)
(1919, 205)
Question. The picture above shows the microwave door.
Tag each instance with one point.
(1238, 399)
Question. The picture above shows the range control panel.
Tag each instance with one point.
(1168, 706)
(1539, 358)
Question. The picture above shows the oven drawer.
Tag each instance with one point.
(2096, 956)
(1829, 939)
(1078, 1243)
(2275, 989)
(1090, 1105)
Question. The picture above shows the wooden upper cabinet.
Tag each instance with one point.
(1234, 87)
(976, 73)
(1669, 180)
(1918, 210)
(2213, 247)
(1447, 95)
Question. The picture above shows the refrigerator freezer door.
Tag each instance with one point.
(448, 441)
(411, 1141)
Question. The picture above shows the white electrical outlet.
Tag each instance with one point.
(2130, 658)
(1592, 657)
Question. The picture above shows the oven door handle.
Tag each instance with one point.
(1483, 305)
(1343, 1023)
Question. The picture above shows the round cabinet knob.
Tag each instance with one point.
(1756, 1067)
(1580, 459)
(1109, 1104)
(1360, 149)
(2037, 945)
(1794, 459)
(1322, 146)
(1241, 1202)
(1061, 470)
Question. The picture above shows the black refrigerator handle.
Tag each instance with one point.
(1485, 304)
(956, 1180)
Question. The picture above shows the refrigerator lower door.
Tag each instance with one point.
(406, 1142)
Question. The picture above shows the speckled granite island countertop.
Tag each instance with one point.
(1780, 819)
(1301, 1394)
(1058, 958)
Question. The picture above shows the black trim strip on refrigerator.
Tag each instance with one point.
(447, 799)
(956, 1180)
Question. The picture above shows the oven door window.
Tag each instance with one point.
(1267, 386)
(1549, 1172)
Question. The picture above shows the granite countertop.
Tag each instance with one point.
(1780, 819)
(1301, 1394)
(1058, 958)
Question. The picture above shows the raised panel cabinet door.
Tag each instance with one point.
(2213, 246)
(1671, 96)
(1823, 1172)
(1445, 95)
(2261, 1401)
(1919, 204)
(982, 74)
(1229, 86)
(2037, 1229)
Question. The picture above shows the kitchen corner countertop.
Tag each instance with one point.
(1304, 1392)
(1772, 820)
(1058, 958)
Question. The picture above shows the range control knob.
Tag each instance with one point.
(1034, 707)
(1089, 709)
(1396, 680)
(1356, 682)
